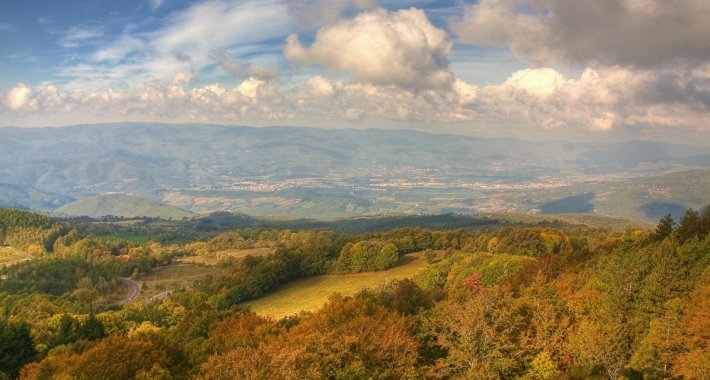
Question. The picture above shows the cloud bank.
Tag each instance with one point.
(601, 98)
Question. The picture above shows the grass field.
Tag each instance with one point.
(217, 256)
(174, 276)
(311, 293)
(8, 257)
(140, 239)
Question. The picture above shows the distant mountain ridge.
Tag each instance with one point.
(308, 172)
(23, 197)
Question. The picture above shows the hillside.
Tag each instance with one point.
(644, 198)
(23, 197)
(122, 205)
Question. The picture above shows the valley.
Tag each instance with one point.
(328, 174)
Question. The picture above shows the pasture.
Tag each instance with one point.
(173, 277)
(308, 294)
(9, 257)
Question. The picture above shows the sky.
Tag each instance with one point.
(585, 69)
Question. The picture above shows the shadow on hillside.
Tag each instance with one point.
(405, 259)
(657, 210)
(576, 204)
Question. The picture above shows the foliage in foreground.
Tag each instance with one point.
(517, 303)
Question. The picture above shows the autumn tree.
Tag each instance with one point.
(347, 339)
(483, 336)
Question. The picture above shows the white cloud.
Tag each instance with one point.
(20, 97)
(155, 4)
(383, 48)
(218, 25)
(187, 40)
(75, 35)
(602, 98)
(642, 33)
(539, 82)
(124, 47)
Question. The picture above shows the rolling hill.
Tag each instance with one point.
(23, 197)
(122, 205)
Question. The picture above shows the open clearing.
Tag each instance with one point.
(214, 258)
(174, 276)
(9, 257)
(311, 293)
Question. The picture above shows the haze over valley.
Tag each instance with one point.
(325, 174)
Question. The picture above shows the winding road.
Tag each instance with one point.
(134, 290)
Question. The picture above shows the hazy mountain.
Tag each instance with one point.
(121, 205)
(23, 197)
(306, 172)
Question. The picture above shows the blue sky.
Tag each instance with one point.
(614, 69)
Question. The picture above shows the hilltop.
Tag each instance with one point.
(122, 205)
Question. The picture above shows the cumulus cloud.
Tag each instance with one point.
(641, 33)
(242, 70)
(20, 97)
(602, 98)
(382, 48)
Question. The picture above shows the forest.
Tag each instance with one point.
(532, 301)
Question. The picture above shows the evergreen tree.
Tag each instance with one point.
(66, 331)
(16, 347)
(665, 227)
(91, 329)
(705, 222)
(689, 226)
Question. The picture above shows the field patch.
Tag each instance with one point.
(214, 258)
(311, 293)
(9, 257)
(173, 277)
(140, 239)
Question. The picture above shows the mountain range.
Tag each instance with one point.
(307, 172)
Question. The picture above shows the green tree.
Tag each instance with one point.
(584, 372)
(16, 347)
(91, 329)
(429, 255)
(705, 222)
(664, 227)
(387, 257)
(689, 226)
